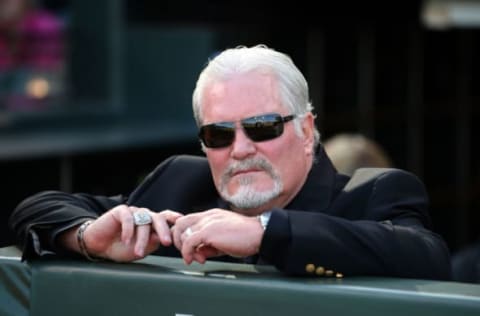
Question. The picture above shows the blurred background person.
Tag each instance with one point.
(32, 56)
(349, 152)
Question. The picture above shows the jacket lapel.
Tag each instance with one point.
(319, 188)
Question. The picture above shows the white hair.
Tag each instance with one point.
(292, 86)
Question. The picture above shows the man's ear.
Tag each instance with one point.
(308, 128)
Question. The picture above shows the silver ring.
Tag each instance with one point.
(188, 231)
(142, 218)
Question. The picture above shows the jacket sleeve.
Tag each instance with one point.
(37, 220)
(390, 237)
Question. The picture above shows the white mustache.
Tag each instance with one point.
(252, 163)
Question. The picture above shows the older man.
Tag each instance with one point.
(266, 193)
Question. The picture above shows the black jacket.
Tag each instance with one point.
(375, 224)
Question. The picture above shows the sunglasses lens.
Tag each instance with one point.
(262, 128)
(258, 128)
(217, 135)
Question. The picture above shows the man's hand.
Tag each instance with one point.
(216, 232)
(115, 236)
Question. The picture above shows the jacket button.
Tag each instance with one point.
(310, 268)
(320, 271)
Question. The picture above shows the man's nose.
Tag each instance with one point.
(242, 146)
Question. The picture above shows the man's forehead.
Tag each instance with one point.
(238, 98)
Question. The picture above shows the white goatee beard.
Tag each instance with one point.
(246, 196)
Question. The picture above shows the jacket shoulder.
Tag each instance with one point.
(180, 182)
(380, 191)
(367, 176)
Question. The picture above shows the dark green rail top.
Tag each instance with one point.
(166, 286)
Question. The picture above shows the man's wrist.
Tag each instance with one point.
(81, 241)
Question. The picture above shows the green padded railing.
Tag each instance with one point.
(166, 286)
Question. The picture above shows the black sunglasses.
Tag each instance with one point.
(257, 128)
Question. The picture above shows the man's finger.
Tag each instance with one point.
(190, 245)
(162, 229)
(124, 216)
(142, 237)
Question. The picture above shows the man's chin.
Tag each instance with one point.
(250, 190)
(246, 207)
(251, 198)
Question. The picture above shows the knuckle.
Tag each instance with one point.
(119, 208)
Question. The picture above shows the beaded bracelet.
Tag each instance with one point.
(81, 241)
